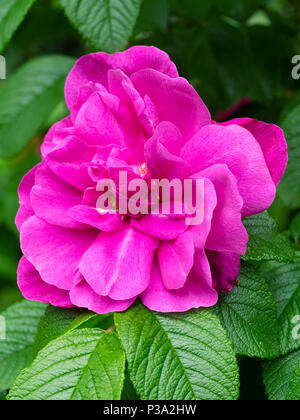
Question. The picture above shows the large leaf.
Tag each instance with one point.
(285, 284)
(86, 364)
(12, 13)
(57, 321)
(27, 99)
(249, 315)
(289, 188)
(178, 357)
(294, 393)
(281, 377)
(265, 241)
(107, 24)
(16, 351)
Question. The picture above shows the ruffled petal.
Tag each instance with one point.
(90, 216)
(83, 296)
(34, 288)
(54, 251)
(118, 264)
(94, 68)
(160, 226)
(272, 142)
(225, 269)
(237, 148)
(197, 291)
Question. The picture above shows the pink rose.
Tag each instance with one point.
(129, 111)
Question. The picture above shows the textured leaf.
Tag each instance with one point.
(280, 376)
(16, 351)
(57, 321)
(289, 188)
(295, 228)
(249, 316)
(265, 241)
(294, 393)
(85, 364)
(27, 99)
(178, 357)
(12, 13)
(285, 284)
(107, 24)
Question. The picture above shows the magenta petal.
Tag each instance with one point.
(175, 99)
(197, 291)
(118, 264)
(227, 233)
(160, 226)
(83, 296)
(70, 162)
(176, 260)
(51, 198)
(54, 251)
(94, 68)
(225, 269)
(272, 141)
(237, 148)
(25, 211)
(90, 216)
(34, 288)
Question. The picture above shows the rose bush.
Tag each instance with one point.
(126, 110)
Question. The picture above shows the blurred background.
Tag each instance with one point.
(236, 53)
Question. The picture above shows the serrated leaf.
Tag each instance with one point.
(179, 356)
(295, 228)
(248, 314)
(86, 364)
(16, 351)
(294, 393)
(27, 99)
(12, 13)
(289, 188)
(265, 241)
(279, 376)
(284, 282)
(57, 321)
(107, 24)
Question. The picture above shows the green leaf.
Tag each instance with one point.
(27, 99)
(294, 393)
(179, 356)
(107, 24)
(280, 377)
(248, 314)
(57, 321)
(289, 188)
(12, 13)
(295, 228)
(265, 241)
(85, 364)
(285, 285)
(16, 351)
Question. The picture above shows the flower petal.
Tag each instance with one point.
(83, 296)
(225, 269)
(54, 251)
(118, 264)
(197, 291)
(90, 216)
(34, 288)
(160, 226)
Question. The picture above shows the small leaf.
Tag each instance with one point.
(248, 314)
(285, 285)
(179, 356)
(12, 13)
(27, 99)
(107, 24)
(16, 351)
(57, 321)
(85, 364)
(265, 241)
(289, 188)
(280, 377)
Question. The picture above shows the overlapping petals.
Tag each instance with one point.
(131, 112)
